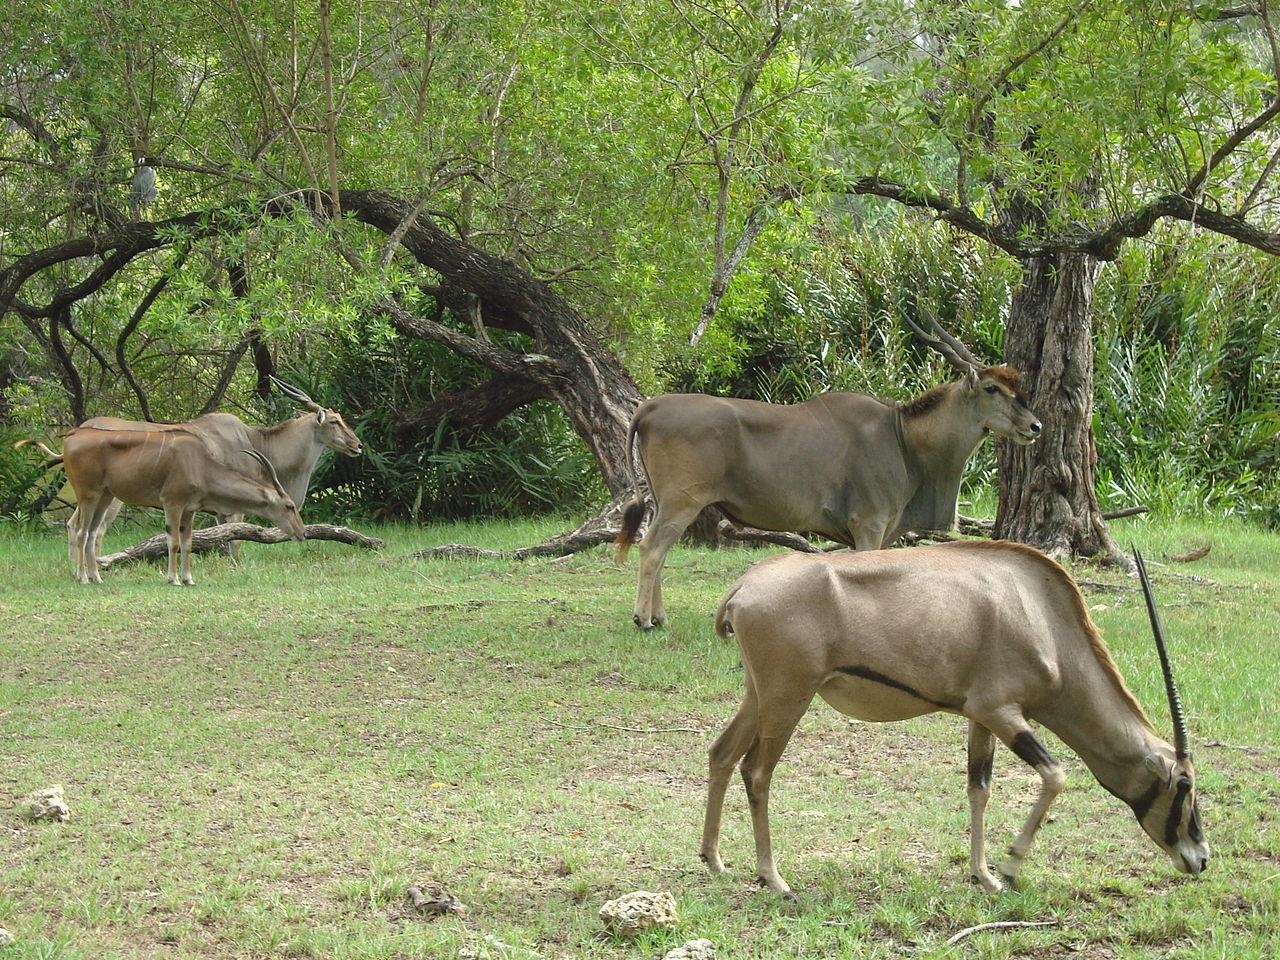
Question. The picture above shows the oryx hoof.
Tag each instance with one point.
(1010, 881)
(988, 883)
(781, 889)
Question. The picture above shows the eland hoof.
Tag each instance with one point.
(643, 625)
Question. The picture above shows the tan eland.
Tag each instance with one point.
(171, 469)
(293, 447)
(844, 465)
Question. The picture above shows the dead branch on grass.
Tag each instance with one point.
(1001, 925)
(213, 538)
(614, 726)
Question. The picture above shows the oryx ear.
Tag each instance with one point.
(1158, 765)
(321, 415)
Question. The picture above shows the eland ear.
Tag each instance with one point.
(971, 378)
(321, 415)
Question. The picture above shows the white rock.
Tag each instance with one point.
(634, 912)
(6, 937)
(49, 804)
(693, 950)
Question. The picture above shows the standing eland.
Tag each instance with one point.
(992, 631)
(844, 465)
(293, 447)
(171, 469)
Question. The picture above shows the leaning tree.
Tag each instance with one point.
(538, 190)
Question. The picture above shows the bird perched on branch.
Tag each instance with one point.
(144, 187)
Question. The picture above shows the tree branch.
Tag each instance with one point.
(473, 409)
(946, 209)
(127, 241)
(533, 365)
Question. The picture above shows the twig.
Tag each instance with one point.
(1242, 747)
(1001, 925)
(614, 726)
(1199, 553)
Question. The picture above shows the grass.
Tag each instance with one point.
(260, 766)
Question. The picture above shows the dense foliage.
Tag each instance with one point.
(621, 154)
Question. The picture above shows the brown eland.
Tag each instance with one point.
(995, 632)
(844, 465)
(293, 447)
(171, 469)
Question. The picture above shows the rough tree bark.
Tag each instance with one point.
(1047, 495)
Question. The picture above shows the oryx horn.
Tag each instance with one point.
(957, 354)
(1181, 741)
(293, 393)
(271, 470)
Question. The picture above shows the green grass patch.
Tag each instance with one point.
(260, 765)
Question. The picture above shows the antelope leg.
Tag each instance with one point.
(777, 721)
(1013, 731)
(664, 531)
(724, 755)
(982, 747)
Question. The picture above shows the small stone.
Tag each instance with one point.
(49, 804)
(6, 938)
(632, 913)
(693, 950)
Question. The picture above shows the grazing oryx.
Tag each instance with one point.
(992, 631)
(293, 446)
(843, 465)
(172, 469)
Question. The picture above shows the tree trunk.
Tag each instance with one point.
(571, 363)
(1047, 496)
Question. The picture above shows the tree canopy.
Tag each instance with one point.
(572, 204)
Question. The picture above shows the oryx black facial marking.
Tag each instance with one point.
(1031, 751)
(866, 673)
(1174, 820)
(1142, 805)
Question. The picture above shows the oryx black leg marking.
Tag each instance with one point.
(1032, 751)
(982, 748)
(1028, 748)
(980, 772)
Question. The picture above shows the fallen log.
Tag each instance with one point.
(212, 538)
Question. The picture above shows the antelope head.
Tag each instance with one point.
(993, 391)
(279, 507)
(1167, 809)
(331, 429)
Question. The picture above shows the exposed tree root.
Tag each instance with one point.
(208, 539)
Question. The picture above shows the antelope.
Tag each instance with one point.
(995, 632)
(847, 466)
(293, 446)
(172, 469)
